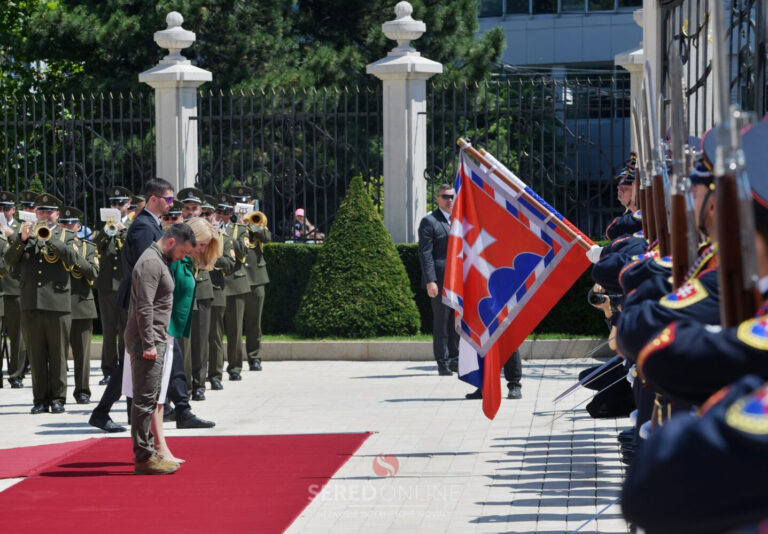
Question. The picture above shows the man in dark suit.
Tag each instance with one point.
(433, 247)
(145, 230)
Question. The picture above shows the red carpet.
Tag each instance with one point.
(229, 484)
(29, 461)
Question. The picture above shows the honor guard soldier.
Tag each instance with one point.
(11, 307)
(109, 243)
(224, 266)
(237, 287)
(83, 304)
(256, 267)
(705, 473)
(631, 220)
(46, 256)
(195, 347)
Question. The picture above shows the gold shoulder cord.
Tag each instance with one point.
(53, 257)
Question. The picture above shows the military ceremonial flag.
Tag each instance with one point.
(511, 257)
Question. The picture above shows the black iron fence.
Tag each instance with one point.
(687, 26)
(566, 138)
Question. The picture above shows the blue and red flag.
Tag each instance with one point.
(511, 257)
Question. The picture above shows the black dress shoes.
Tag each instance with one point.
(515, 393)
(39, 407)
(107, 425)
(198, 395)
(82, 398)
(104, 381)
(57, 407)
(443, 370)
(254, 366)
(234, 377)
(194, 421)
(16, 383)
(216, 384)
(169, 415)
(477, 394)
(453, 365)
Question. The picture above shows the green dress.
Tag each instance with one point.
(183, 272)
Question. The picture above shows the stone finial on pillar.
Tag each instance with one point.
(175, 81)
(404, 73)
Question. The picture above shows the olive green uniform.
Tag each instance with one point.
(225, 266)
(83, 314)
(195, 347)
(110, 274)
(45, 307)
(256, 268)
(237, 289)
(12, 313)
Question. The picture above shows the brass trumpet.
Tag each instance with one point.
(110, 229)
(41, 231)
(256, 220)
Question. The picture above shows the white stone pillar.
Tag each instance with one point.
(404, 73)
(175, 81)
(632, 61)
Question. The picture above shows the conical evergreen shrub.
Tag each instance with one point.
(358, 287)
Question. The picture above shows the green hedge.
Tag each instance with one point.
(290, 264)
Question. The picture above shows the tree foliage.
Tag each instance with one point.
(358, 287)
(102, 45)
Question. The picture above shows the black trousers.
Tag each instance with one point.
(177, 386)
(112, 393)
(513, 369)
(445, 340)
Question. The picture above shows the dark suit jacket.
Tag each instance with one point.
(433, 247)
(142, 232)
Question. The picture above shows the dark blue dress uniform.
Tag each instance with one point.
(626, 224)
(704, 474)
(614, 258)
(689, 360)
(696, 300)
(648, 266)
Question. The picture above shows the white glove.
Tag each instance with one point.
(593, 254)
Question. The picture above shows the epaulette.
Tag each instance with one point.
(666, 261)
(638, 215)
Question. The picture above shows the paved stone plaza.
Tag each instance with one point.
(532, 469)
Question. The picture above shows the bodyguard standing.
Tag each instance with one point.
(83, 304)
(433, 248)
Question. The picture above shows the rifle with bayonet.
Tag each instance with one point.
(657, 167)
(648, 206)
(683, 233)
(639, 185)
(739, 298)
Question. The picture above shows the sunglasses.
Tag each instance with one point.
(207, 213)
(446, 197)
(171, 217)
(7, 208)
(168, 200)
